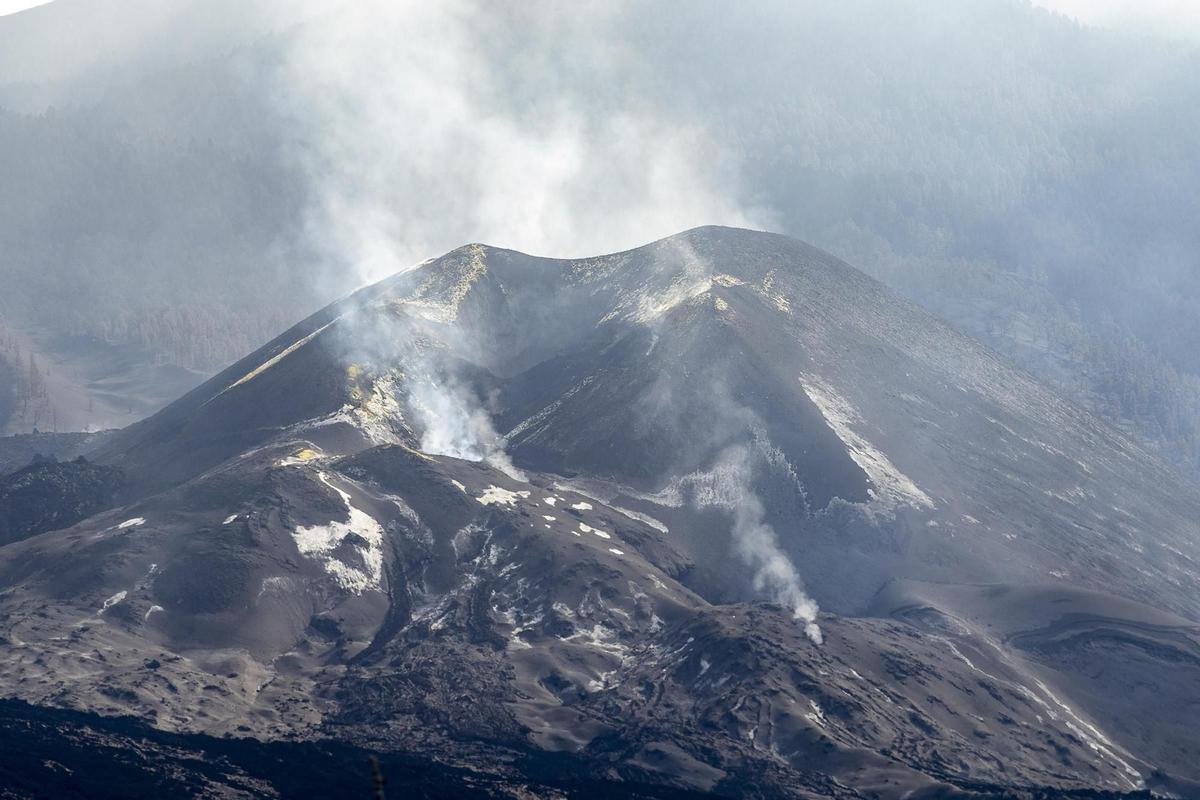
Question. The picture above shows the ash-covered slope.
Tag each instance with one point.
(642, 369)
(400, 602)
(500, 506)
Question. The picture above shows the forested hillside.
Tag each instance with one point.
(151, 218)
(1027, 179)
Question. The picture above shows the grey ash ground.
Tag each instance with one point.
(522, 525)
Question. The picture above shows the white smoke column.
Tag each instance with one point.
(729, 482)
(729, 485)
(774, 574)
(455, 424)
(423, 126)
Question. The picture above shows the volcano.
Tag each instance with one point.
(716, 515)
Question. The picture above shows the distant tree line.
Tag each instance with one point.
(27, 390)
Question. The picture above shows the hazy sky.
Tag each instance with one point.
(1165, 16)
(13, 6)
(1168, 16)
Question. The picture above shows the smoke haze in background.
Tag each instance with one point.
(420, 130)
(13, 6)
(187, 178)
(1169, 17)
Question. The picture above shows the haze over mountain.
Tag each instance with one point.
(713, 513)
(216, 176)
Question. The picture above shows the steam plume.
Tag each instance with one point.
(418, 133)
(454, 423)
(729, 485)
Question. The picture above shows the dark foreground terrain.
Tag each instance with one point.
(105, 758)
(53, 753)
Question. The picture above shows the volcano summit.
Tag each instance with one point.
(719, 515)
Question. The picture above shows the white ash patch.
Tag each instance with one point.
(581, 506)
(342, 415)
(891, 486)
(601, 638)
(494, 495)
(645, 519)
(550, 501)
(132, 523)
(320, 541)
(596, 531)
(290, 461)
(276, 584)
(616, 552)
(604, 681)
(112, 601)
(458, 485)
(152, 610)
(1071, 496)
(549, 518)
(230, 519)
(514, 639)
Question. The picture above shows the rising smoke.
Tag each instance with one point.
(419, 132)
(738, 435)
(728, 484)
(453, 422)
